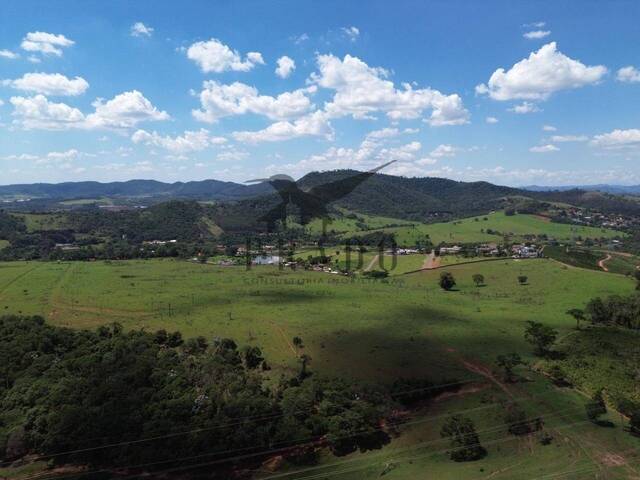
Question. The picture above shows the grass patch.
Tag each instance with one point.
(474, 229)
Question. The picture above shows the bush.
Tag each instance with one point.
(447, 282)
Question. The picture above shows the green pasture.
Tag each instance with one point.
(358, 327)
(474, 229)
(43, 221)
(404, 326)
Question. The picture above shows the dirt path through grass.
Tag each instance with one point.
(371, 263)
(601, 263)
(431, 262)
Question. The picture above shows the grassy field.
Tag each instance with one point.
(43, 221)
(624, 264)
(576, 257)
(405, 326)
(475, 230)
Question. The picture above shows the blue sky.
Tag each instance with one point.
(510, 92)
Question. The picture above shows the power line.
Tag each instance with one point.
(288, 447)
(238, 421)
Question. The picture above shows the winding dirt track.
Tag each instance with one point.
(431, 261)
(601, 263)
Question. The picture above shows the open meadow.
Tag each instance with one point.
(485, 228)
(404, 326)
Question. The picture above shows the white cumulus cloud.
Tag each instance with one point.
(39, 113)
(123, 111)
(525, 107)
(139, 29)
(218, 100)
(315, 124)
(544, 148)
(617, 139)
(361, 90)
(285, 67)
(491, 120)
(540, 75)
(190, 141)
(628, 74)
(215, 56)
(8, 54)
(45, 43)
(49, 84)
(536, 34)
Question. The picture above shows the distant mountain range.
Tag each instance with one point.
(205, 189)
(606, 188)
(387, 195)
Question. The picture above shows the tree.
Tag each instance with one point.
(578, 315)
(252, 357)
(305, 360)
(596, 407)
(447, 282)
(540, 336)
(634, 423)
(518, 423)
(508, 362)
(463, 439)
(478, 279)
(297, 342)
(522, 279)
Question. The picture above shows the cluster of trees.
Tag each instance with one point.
(447, 281)
(622, 311)
(110, 398)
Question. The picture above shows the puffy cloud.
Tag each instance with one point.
(121, 112)
(139, 29)
(371, 152)
(8, 54)
(190, 141)
(549, 128)
(536, 34)
(315, 124)
(491, 120)
(569, 138)
(352, 33)
(215, 56)
(617, 139)
(285, 67)
(544, 148)
(540, 75)
(45, 43)
(125, 110)
(383, 133)
(39, 113)
(444, 151)
(219, 100)
(49, 84)
(362, 90)
(525, 107)
(628, 74)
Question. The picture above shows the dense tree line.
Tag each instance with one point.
(75, 391)
(623, 311)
